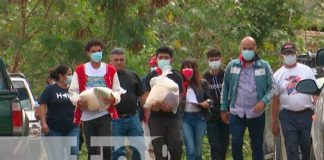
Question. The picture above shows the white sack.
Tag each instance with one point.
(94, 97)
(163, 89)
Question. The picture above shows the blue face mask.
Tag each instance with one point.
(164, 64)
(96, 56)
(248, 55)
(68, 80)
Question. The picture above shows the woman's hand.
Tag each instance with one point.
(45, 128)
(204, 104)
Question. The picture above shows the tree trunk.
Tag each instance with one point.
(21, 35)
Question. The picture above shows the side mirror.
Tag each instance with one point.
(320, 58)
(308, 86)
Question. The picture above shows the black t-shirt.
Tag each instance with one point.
(215, 86)
(60, 110)
(176, 77)
(130, 82)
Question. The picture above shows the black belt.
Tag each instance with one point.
(299, 112)
(126, 115)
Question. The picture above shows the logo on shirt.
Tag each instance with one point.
(215, 86)
(61, 96)
(95, 82)
(291, 83)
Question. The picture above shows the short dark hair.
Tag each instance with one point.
(94, 42)
(213, 53)
(117, 51)
(60, 69)
(164, 49)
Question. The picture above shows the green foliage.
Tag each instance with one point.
(37, 35)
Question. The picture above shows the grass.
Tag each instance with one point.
(83, 153)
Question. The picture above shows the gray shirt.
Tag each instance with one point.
(246, 95)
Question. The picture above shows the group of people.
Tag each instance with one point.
(219, 102)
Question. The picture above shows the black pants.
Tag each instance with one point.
(218, 138)
(100, 126)
(170, 139)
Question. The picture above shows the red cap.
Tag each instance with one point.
(152, 61)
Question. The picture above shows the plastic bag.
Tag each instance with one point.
(163, 89)
(94, 98)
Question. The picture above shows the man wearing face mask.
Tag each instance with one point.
(163, 123)
(217, 130)
(247, 88)
(295, 109)
(94, 74)
(128, 123)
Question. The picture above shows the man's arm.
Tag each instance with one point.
(74, 90)
(259, 107)
(274, 115)
(225, 88)
(117, 89)
(271, 86)
(224, 94)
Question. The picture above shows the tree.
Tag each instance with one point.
(39, 34)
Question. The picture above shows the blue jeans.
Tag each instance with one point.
(130, 126)
(296, 127)
(194, 127)
(218, 138)
(256, 127)
(75, 132)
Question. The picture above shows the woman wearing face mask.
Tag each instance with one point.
(56, 111)
(195, 107)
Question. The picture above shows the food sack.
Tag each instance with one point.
(163, 89)
(94, 98)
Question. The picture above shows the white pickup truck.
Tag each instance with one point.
(27, 102)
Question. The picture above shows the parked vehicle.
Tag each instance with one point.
(312, 87)
(13, 119)
(309, 86)
(27, 102)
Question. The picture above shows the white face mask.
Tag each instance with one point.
(290, 59)
(164, 64)
(215, 64)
